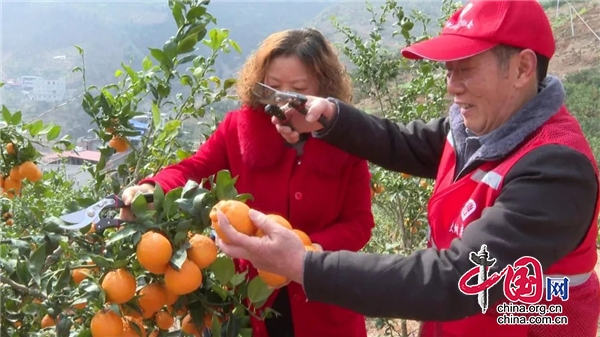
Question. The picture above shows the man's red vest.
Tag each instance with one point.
(455, 204)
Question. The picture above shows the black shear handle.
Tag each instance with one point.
(298, 102)
(118, 202)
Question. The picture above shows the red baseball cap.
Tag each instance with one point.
(483, 24)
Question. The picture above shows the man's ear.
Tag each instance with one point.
(525, 68)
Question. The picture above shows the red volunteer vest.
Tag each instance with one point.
(454, 205)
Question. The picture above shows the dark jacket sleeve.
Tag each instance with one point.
(544, 210)
(415, 148)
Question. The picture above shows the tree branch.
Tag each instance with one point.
(21, 288)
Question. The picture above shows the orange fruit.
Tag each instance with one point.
(10, 148)
(203, 251)
(237, 214)
(129, 330)
(271, 279)
(14, 174)
(171, 298)
(188, 326)
(303, 237)
(120, 144)
(30, 171)
(185, 280)
(119, 286)
(106, 323)
(12, 187)
(164, 320)
(78, 275)
(279, 219)
(152, 297)
(378, 188)
(47, 321)
(311, 248)
(154, 252)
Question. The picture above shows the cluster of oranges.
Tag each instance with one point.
(237, 214)
(157, 298)
(11, 184)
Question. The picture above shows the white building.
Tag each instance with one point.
(41, 89)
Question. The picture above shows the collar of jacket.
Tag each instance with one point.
(263, 148)
(507, 137)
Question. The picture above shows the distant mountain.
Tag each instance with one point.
(38, 38)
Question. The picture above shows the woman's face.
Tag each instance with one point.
(288, 73)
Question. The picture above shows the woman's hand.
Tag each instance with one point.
(128, 194)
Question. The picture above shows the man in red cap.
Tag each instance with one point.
(516, 187)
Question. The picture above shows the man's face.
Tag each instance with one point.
(484, 90)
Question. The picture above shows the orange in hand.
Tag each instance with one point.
(279, 219)
(237, 214)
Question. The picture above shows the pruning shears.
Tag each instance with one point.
(273, 98)
(91, 214)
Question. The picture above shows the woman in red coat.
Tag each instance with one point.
(296, 182)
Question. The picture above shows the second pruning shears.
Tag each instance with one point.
(91, 214)
(290, 100)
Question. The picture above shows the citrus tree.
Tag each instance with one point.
(401, 90)
(160, 275)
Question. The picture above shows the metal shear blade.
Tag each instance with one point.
(83, 218)
(265, 93)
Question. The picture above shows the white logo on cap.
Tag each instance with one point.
(462, 23)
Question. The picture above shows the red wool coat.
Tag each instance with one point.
(324, 193)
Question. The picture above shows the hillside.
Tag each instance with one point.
(115, 32)
(577, 48)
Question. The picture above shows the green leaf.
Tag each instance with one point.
(101, 261)
(53, 133)
(139, 206)
(159, 55)
(36, 127)
(159, 196)
(178, 14)
(244, 197)
(225, 185)
(63, 326)
(155, 115)
(64, 278)
(16, 118)
(122, 234)
(187, 44)
(182, 154)
(170, 207)
(179, 256)
(36, 263)
(258, 290)
(6, 115)
(235, 46)
(232, 326)
(223, 268)
(238, 278)
(195, 12)
(146, 63)
(229, 83)
(216, 326)
(189, 188)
